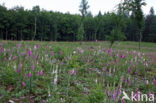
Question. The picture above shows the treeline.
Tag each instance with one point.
(36, 24)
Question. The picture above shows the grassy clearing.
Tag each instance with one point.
(74, 72)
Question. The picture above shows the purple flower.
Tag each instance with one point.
(61, 52)
(17, 70)
(20, 65)
(123, 101)
(38, 45)
(29, 75)
(154, 82)
(41, 72)
(33, 67)
(130, 70)
(109, 51)
(117, 60)
(137, 94)
(119, 92)
(114, 95)
(55, 80)
(38, 73)
(61, 63)
(131, 62)
(1, 50)
(52, 53)
(29, 52)
(23, 84)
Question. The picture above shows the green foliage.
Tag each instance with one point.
(116, 35)
(81, 33)
(39, 24)
(97, 95)
(85, 73)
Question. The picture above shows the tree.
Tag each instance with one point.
(150, 25)
(36, 11)
(135, 6)
(83, 9)
(80, 33)
(116, 33)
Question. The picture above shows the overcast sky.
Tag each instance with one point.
(72, 6)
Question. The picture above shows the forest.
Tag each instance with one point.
(39, 24)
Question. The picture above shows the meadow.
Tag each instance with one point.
(75, 72)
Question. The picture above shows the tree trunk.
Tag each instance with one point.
(35, 29)
(6, 33)
(21, 34)
(140, 37)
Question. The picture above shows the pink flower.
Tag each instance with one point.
(33, 67)
(123, 101)
(55, 80)
(117, 60)
(38, 73)
(61, 52)
(154, 82)
(1, 50)
(29, 52)
(114, 95)
(17, 70)
(29, 75)
(23, 84)
(61, 63)
(41, 72)
(20, 65)
(119, 92)
(130, 70)
(109, 51)
(137, 94)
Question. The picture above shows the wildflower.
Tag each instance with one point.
(17, 70)
(61, 63)
(119, 92)
(52, 53)
(123, 101)
(29, 75)
(117, 60)
(109, 51)
(136, 72)
(41, 72)
(131, 62)
(130, 70)
(20, 65)
(114, 95)
(73, 72)
(38, 73)
(61, 52)
(1, 50)
(55, 80)
(74, 52)
(154, 82)
(147, 82)
(29, 52)
(33, 67)
(137, 94)
(23, 84)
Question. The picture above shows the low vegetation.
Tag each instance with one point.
(77, 72)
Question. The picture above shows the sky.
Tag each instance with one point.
(72, 6)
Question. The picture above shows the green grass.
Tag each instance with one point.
(74, 72)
